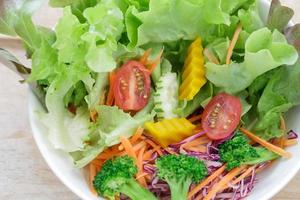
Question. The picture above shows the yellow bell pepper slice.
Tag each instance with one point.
(170, 131)
(193, 77)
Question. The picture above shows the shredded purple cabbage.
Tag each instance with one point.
(292, 135)
(212, 160)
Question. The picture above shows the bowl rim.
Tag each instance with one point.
(35, 132)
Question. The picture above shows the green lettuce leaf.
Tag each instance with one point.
(44, 63)
(172, 20)
(65, 131)
(250, 19)
(106, 22)
(97, 90)
(77, 6)
(219, 48)
(200, 100)
(233, 5)
(281, 93)
(11, 11)
(264, 51)
(111, 125)
(71, 49)
(114, 123)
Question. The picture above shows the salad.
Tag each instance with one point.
(168, 99)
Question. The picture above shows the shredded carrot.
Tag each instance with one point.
(97, 162)
(145, 56)
(109, 153)
(242, 176)
(140, 159)
(170, 151)
(110, 96)
(141, 180)
(117, 197)
(209, 179)
(279, 142)
(266, 144)
(210, 56)
(103, 98)
(199, 197)
(137, 135)
(148, 154)
(155, 62)
(128, 147)
(92, 173)
(151, 143)
(226, 179)
(136, 148)
(282, 124)
(233, 43)
(196, 142)
(290, 142)
(195, 118)
(265, 167)
(93, 115)
(197, 149)
(144, 174)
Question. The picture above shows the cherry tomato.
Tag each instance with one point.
(221, 116)
(131, 86)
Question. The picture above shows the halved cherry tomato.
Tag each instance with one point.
(132, 86)
(221, 116)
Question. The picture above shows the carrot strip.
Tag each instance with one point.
(137, 135)
(213, 176)
(266, 144)
(195, 118)
(110, 96)
(145, 57)
(226, 179)
(197, 149)
(134, 138)
(92, 170)
(291, 142)
(196, 142)
(244, 175)
(210, 56)
(136, 147)
(144, 174)
(140, 159)
(148, 154)
(93, 115)
(233, 43)
(199, 197)
(279, 142)
(282, 124)
(151, 143)
(170, 151)
(155, 62)
(128, 147)
(97, 162)
(141, 180)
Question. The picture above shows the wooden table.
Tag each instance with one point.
(24, 174)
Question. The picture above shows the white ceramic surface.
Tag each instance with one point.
(270, 182)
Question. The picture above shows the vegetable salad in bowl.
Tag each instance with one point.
(169, 99)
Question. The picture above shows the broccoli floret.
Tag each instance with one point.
(238, 151)
(117, 176)
(180, 171)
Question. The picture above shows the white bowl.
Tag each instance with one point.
(270, 182)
